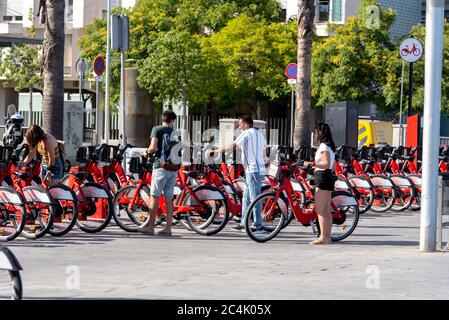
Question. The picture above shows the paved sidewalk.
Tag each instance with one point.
(379, 261)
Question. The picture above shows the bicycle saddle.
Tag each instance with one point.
(192, 174)
(80, 175)
(23, 175)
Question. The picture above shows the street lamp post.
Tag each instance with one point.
(108, 71)
(432, 104)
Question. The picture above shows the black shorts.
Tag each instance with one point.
(324, 179)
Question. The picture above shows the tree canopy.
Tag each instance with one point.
(358, 62)
(21, 65)
(419, 32)
(177, 45)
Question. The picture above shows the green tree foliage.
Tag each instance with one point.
(359, 62)
(250, 57)
(166, 39)
(20, 64)
(174, 68)
(419, 32)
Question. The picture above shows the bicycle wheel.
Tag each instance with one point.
(12, 214)
(10, 285)
(95, 207)
(345, 215)
(40, 212)
(66, 209)
(365, 192)
(273, 215)
(405, 192)
(384, 193)
(128, 217)
(417, 183)
(214, 213)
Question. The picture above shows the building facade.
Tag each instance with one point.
(408, 13)
(18, 15)
(423, 13)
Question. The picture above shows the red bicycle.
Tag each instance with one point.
(384, 190)
(197, 207)
(404, 186)
(95, 209)
(276, 205)
(29, 208)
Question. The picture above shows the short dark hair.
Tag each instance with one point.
(248, 120)
(168, 116)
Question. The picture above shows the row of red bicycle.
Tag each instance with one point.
(207, 196)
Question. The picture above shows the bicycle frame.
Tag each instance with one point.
(302, 215)
(145, 181)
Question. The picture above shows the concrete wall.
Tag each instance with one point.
(7, 96)
(139, 111)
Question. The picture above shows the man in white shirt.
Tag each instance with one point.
(253, 145)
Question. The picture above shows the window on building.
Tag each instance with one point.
(283, 15)
(69, 10)
(337, 11)
(323, 10)
(12, 10)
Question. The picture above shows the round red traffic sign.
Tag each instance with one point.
(292, 71)
(99, 65)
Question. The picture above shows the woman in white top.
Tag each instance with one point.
(324, 167)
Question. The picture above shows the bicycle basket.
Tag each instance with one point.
(3, 154)
(380, 153)
(81, 155)
(135, 164)
(344, 153)
(274, 170)
(8, 153)
(445, 151)
(303, 153)
(105, 154)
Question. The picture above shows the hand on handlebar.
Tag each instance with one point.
(308, 164)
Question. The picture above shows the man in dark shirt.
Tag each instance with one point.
(163, 181)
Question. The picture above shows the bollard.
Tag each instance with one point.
(443, 208)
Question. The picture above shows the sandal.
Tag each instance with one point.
(164, 232)
(146, 231)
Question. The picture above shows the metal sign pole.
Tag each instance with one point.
(410, 90)
(108, 70)
(122, 97)
(401, 138)
(81, 87)
(97, 112)
(292, 120)
(432, 103)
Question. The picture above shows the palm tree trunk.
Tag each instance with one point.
(53, 68)
(303, 92)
